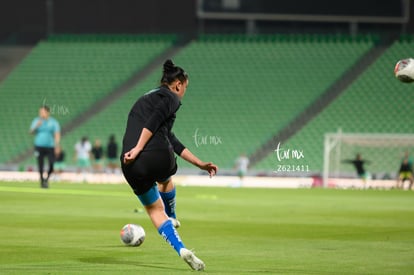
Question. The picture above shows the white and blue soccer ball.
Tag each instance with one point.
(132, 234)
(404, 70)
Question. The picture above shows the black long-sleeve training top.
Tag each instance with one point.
(155, 111)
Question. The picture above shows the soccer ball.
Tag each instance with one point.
(132, 234)
(404, 70)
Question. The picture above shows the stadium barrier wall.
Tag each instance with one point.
(205, 181)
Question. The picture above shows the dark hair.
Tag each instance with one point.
(45, 107)
(171, 73)
(84, 139)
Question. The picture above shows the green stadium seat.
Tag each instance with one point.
(72, 72)
(375, 103)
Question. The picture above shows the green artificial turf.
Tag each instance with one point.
(74, 229)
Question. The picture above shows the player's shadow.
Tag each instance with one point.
(114, 261)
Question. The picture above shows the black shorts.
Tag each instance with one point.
(148, 168)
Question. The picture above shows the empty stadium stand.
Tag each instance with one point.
(243, 91)
(69, 73)
(375, 103)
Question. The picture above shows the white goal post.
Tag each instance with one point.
(383, 147)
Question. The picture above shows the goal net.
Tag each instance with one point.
(382, 154)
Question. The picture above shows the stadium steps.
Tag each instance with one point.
(375, 103)
(138, 76)
(10, 57)
(245, 89)
(223, 111)
(109, 117)
(321, 102)
(97, 103)
(229, 114)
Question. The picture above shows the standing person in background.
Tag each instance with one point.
(358, 163)
(46, 130)
(112, 154)
(405, 172)
(97, 154)
(241, 165)
(59, 162)
(83, 154)
(148, 160)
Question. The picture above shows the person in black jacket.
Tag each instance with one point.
(148, 159)
(358, 164)
(405, 172)
(112, 154)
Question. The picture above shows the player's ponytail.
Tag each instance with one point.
(171, 73)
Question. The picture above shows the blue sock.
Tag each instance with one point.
(169, 202)
(168, 232)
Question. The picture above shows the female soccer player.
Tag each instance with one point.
(148, 160)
